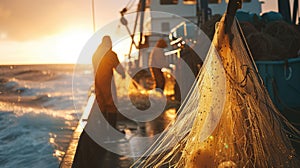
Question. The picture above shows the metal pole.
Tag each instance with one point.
(142, 10)
(284, 9)
(295, 11)
(204, 9)
(93, 15)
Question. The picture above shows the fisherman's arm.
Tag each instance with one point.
(117, 65)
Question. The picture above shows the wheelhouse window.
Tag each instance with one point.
(189, 2)
(168, 2)
(242, 1)
(214, 1)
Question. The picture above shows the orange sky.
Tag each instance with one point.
(54, 31)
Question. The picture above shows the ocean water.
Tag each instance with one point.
(37, 113)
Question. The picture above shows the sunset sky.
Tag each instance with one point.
(54, 31)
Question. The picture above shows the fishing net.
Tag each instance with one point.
(287, 35)
(265, 47)
(248, 28)
(228, 119)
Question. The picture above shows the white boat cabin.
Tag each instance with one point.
(188, 9)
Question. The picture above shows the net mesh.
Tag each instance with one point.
(228, 119)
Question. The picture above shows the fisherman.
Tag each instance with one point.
(88, 152)
(104, 62)
(157, 61)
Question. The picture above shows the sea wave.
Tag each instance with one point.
(37, 113)
(12, 91)
(40, 75)
(27, 140)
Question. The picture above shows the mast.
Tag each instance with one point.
(295, 10)
(284, 9)
(139, 16)
(142, 12)
(93, 15)
(205, 11)
(198, 13)
(142, 6)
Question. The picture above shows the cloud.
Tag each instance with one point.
(31, 19)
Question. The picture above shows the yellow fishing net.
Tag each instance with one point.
(228, 119)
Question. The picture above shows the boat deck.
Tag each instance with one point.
(132, 145)
(69, 156)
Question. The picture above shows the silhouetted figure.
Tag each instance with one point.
(88, 152)
(157, 61)
(105, 87)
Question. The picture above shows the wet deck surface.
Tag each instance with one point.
(130, 146)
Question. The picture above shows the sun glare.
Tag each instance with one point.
(69, 44)
(63, 47)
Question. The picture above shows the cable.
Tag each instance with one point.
(93, 15)
(131, 5)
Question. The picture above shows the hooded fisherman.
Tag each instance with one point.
(104, 62)
(89, 153)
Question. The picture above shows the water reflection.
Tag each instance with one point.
(160, 123)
